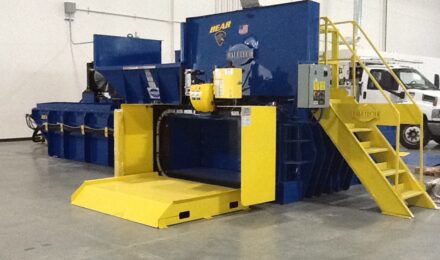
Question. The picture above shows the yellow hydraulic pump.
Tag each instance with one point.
(227, 85)
(202, 97)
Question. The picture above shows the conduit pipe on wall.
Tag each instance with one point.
(357, 17)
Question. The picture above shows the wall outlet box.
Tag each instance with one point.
(69, 8)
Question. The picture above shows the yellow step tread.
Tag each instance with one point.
(382, 165)
(410, 194)
(403, 154)
(366, 144)
(360, 129)
(371, 150)
(390, 172)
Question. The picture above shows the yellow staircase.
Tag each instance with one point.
(352, 127)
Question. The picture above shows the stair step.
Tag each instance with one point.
(382, 165)
(366, 144)
(391, 172)
(403, 154)
(372, 150)
(350, 125)
(360, 129)
(410, 194)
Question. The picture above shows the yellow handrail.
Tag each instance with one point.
(390, 70)
(355, 58)
(397, 79)
(363, 65)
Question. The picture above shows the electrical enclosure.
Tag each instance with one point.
(313, 85)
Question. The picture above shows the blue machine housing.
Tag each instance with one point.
(268, 43)
(308, 163)
(94, 144)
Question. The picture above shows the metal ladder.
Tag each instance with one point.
(352, 127)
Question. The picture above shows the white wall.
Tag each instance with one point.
(412, 25)
(38, 63)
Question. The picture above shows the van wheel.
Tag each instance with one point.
(410, 136)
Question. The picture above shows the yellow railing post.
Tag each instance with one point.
(353, 64)
(397, 158)
(335, 57)
(422, 125)
(325, 42)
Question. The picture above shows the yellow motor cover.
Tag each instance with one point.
(227, 83)
(202, 97)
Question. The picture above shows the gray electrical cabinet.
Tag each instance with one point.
(313, 85)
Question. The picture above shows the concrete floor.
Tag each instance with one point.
(37, 222)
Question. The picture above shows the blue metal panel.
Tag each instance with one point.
(308, 163)
(203, 148)
(70, 143)
(120, 51)
(280, 36)
(123, 61)
(390, 133)
(131, 84)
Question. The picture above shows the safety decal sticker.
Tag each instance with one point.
(246, 116)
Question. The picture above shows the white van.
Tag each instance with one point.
(425, 94)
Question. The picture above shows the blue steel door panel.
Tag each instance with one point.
(120, 51)
(283, 37)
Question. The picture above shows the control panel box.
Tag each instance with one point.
(313, 85)
(227, 83)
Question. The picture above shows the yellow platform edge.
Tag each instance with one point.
(156, 201)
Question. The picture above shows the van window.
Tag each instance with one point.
(385, 80)
(412, 79)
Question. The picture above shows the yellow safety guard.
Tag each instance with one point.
(138, 194)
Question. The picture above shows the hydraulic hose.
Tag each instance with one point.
(157, 134)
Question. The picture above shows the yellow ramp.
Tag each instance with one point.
(156, 201)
